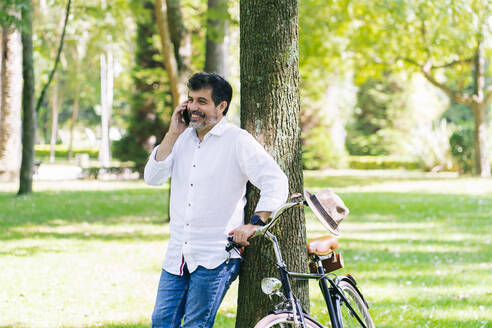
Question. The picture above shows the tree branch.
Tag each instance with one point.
(454, 62)
(456, 96)
(411, 61)
(57, 60)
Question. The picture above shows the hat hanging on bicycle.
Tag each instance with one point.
(328, 208)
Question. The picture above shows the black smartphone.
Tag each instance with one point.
(186, 116)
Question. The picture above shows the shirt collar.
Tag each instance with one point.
(220, 127)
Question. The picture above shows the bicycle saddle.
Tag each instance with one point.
(322, 245)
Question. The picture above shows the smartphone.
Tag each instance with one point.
(186, 116)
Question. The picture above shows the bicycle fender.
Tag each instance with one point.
(305, 315)
(351, 280)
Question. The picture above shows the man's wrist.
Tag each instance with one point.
(257, 220)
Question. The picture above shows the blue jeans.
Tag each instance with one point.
(196, 296)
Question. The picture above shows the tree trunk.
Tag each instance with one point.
(181, 39)
(75, 114)
(167, 50)
(106, 107)
(54, 119)
(179, 35)
(216, 46)
(29, 114)
(482, 164)
(479, 105)
(1, 70)
(270, 111)
(57, 59)
(10, 105)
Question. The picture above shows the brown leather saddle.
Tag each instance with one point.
(323, 245)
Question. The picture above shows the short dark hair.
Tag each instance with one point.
(221, 89)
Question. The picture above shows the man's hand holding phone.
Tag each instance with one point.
(178, 125)
(180, 119)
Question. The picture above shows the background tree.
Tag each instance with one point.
(28, 137)
(151, 98)
(270, 111)
(447, 41)
(10, 99)
(56, 100)
(175, 46)
(28, 109)
(216, 47)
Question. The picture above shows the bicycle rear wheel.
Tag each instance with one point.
(283, 320)
(347, 319)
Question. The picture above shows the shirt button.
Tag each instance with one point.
(198, 147)
(189, 204)
(194, 165)
(187, 224)
(191, 185)
(186, 242)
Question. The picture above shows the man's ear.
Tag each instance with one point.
(222, 106)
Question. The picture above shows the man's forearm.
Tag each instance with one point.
(166, 146)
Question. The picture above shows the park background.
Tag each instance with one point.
(394, 112)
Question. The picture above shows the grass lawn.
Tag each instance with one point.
(88, 253)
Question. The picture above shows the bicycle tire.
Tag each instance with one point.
(284, 320)
(345, 316)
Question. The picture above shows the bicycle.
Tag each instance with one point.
(345, 303)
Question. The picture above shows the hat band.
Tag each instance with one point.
(322, 211)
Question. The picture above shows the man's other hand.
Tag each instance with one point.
(242, 233)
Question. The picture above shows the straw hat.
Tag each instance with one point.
(328, 208)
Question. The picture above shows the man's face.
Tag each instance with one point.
(203, 112)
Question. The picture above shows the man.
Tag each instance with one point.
(210, 161)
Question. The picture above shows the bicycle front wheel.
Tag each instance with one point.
(347, 318)
(283, 320)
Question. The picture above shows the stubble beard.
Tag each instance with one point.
(208, 121)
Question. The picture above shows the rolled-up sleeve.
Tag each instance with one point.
(263, 172)
(158, 172)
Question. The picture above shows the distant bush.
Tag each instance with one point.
(42, 151)
(462, 148)
(319, 151)
(377, 123)
(381, 162)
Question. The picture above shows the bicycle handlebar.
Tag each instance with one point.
(276, 215)
(264, 229)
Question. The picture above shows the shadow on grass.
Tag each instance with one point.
(317, 180)
(111, 236)
(55, 209)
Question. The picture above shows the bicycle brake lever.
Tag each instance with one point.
(232, 244)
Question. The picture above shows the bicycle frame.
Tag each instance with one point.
(332, 295)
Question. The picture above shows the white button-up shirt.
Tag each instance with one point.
(208, 188)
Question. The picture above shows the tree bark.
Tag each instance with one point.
(216, 45)
(29, 114)
(10, 105)
(54, 119)
(270, 112)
